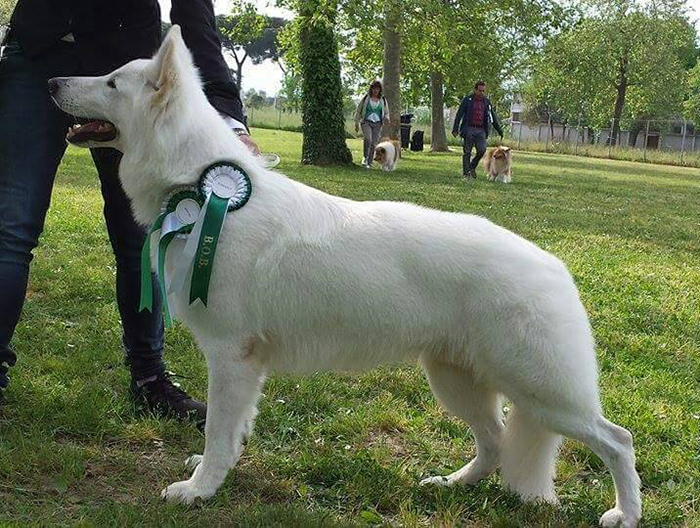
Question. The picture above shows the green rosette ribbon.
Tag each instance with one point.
(227, 188)
(146, 281)
(179, 214)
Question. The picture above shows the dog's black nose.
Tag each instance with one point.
(53, 86)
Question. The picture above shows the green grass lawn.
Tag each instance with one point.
(350, 449)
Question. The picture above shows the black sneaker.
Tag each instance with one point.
(165, 397)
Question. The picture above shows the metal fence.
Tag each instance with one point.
(648, 136)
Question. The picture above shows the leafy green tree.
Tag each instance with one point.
(316, 50)
(447, 45)
(241, 33)
(623, 60)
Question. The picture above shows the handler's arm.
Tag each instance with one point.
(198, 23)
(458, 117)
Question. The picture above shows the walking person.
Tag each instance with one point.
(57, 39)
(371, 113)
(472, 122)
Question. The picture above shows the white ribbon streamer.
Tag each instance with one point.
(184, 263)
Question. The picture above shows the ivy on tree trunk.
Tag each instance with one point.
(323, 123)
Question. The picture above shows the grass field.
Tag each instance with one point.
(350, 449)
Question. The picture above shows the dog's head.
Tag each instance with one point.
(380, 154)
(117, 106)
(501, 152)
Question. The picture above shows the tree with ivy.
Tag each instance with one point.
(311, 41)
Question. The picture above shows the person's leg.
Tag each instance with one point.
(367, 143)
(376, 131)
(31, 146)
(466, 155)
(143, 331)
(480, 142)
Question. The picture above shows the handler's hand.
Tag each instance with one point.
(454, 134)
(248, 142)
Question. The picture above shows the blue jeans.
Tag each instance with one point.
(32, 132)
(476, 137)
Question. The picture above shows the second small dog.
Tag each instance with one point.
(387, 153)
(497, 163)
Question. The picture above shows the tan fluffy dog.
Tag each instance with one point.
(497, 163)
(387, 153)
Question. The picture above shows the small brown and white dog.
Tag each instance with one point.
(497, 163)
(387, 153)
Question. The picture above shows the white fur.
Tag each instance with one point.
(305, 281)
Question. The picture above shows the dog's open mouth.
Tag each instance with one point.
(97, 131)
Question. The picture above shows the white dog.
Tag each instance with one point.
(304, 281)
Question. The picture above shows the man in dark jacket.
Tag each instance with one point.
(472, 122)
(51, 38)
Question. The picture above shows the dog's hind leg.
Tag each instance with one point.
(478, 405)
(528, 457)
(613, 444)
(532, 439)
(234, 388)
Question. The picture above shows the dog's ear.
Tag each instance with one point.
(170, 67)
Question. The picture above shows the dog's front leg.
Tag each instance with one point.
(234, 388)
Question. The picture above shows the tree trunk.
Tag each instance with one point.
(619, 101)
(323, 122)
(438, 137)
(392, 67)
(239, 68)
(635, 129)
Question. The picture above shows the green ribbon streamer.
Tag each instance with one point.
(146, 278)
(162, 248)
(206, 248)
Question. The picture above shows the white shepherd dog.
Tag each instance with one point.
(304, 281)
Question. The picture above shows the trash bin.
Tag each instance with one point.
(417, 141)
(406, 130)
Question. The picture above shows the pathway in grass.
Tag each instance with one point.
(351, 449)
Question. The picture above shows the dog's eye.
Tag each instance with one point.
(111, 84)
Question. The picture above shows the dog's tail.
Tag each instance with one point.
(528, 454)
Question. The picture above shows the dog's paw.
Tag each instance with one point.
(616, 518)
(437, 481)
(185, 492)
(192, 462)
